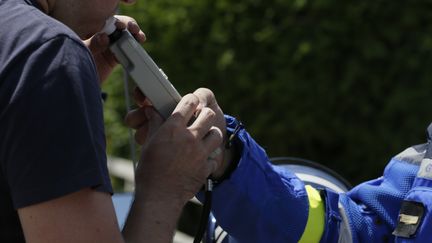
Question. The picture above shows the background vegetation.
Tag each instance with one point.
(343, 83)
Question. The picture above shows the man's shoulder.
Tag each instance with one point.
(26, 27)
(31, 38)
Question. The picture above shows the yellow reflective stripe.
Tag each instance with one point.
(315, 223)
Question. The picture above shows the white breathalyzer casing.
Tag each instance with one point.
(149, 78)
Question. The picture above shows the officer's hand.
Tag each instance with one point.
(99, 46)
(207, 99)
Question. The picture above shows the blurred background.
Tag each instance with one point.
(343, 83)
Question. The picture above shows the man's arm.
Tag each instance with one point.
(152, 220)
(89, 216)
(83, 216)
(172, 168)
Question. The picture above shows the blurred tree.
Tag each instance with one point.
(344, 83)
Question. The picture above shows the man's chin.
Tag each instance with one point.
(86, 37)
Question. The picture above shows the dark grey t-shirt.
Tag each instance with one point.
(52, 138)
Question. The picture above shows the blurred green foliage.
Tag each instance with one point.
(343, 83)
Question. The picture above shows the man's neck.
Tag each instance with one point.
(45, 5)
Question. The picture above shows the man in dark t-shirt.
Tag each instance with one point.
(50, 109)
(54, 184)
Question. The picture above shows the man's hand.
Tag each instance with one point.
(174, 163)
(138, 120)
(99, 46)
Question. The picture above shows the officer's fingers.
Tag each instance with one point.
(185, 109)
(203, 122)
(212, 142)
(206, 97)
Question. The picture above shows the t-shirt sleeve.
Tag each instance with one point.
(54, 142)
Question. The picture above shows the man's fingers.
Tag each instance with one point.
(136, 31)
(133, 27)
(136, 118)
(140, 98)
(141, 135)
(155, 120)
(128, 1)
(98, 43)
(145, 120)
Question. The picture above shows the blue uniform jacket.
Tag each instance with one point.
(261, 202)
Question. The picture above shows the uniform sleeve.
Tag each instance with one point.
(260, 202)
(370, 210)
(54, 140)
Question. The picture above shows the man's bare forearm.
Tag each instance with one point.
(152, 220)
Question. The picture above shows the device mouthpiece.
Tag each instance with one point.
(110, 27)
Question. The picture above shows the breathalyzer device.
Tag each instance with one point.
(149, 78)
